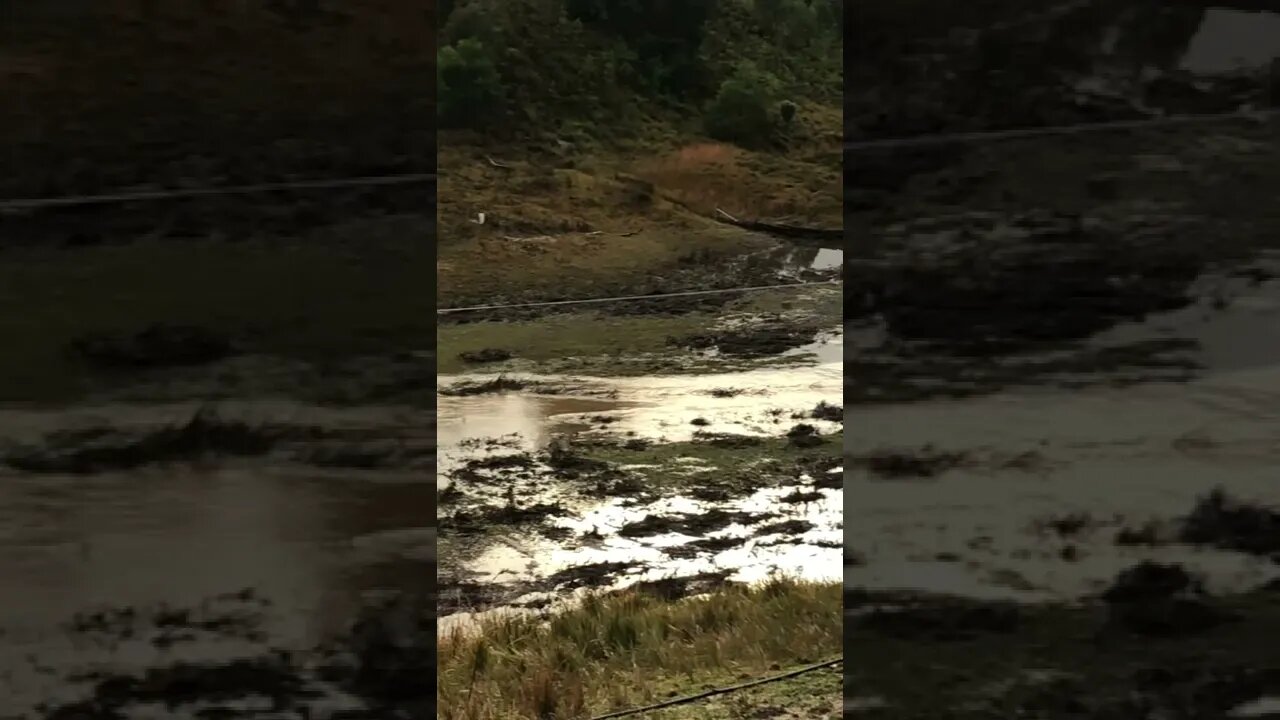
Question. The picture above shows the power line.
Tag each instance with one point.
(18, 204)
(147, 195)
(722, 690)
(632, 298)
(1051, 130)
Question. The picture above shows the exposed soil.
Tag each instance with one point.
(765, 337)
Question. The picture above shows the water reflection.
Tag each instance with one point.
(1120, 457)
(316, 545)
(656, 407)
(668, 408)
(1236, 329)
(1214, 40)
(795, 260)
(181, 535)
(1229, 40)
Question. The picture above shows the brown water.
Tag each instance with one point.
(316, 543)
(1121, 456)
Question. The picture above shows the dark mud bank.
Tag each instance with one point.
(209, 434)
(965, 304)
(383, 667)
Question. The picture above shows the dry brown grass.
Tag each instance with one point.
(804, 182)
(629, 649)
(584, 228)
(614, 221)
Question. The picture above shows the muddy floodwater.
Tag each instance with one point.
(1114, 459)
(308, 542)
(1021, 491)
(749, 534)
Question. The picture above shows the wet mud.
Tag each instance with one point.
(1062, 367)
(949, 70)
(763, 337)
(672, 485)
(1079, 536)
(963, 306)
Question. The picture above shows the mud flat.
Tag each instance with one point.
(688, 480)
(1078, 537)
(573, 526)
(1059, 348)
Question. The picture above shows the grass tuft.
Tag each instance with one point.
(630, 648)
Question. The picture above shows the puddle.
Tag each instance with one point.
(656, 407)
(1230, 40)
(1264, 707)
(1237, 327)
(522, 422)
(1120, 457)
(766, 546)
(796, 260)
(827, 259)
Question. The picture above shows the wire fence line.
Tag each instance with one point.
(20, 204)
(636, 298)
(1057, 130)
(722, 690)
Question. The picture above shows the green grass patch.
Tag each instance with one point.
(598, 343)
(817, 695)
(626, 649)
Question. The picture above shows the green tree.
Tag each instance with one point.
(665, 36)
(741, 112)
(468, 86)
(473, 21)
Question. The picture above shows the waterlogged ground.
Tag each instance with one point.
(680, 443)
(1003, 492)
(680, 481)
(211, 557)
(1063, 374)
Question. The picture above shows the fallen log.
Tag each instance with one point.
(779, 230)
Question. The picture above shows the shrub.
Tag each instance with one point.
(663, 38)
(741, 111)
(472, 22)
(469, 88)
(787, 111)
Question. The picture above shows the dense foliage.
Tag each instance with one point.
(575, 66)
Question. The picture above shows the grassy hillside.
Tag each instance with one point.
(603, 140)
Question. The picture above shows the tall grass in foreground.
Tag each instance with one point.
(623, 649)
